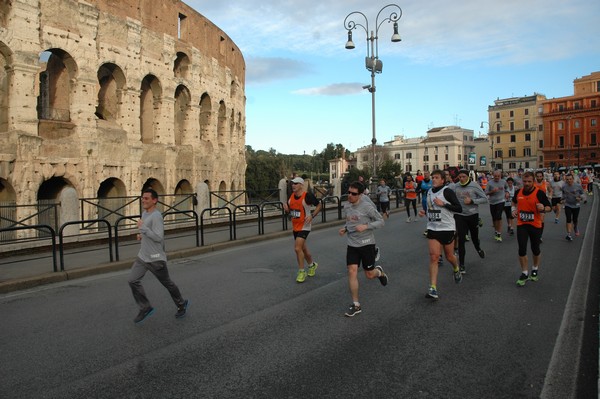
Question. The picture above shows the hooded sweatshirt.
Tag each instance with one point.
(474, 191)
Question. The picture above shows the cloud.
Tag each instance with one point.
(336, 89)
(269, 69)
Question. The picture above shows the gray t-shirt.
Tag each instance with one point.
(153, 235)
(362, 212)
(497, 191)
(570, 194)
(557, 188)
(383, 193)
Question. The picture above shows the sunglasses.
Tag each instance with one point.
(352, 193)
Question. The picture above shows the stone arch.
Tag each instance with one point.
(222, 123)
(150, 102)
(52, 210)
(111, 199)
(233, 89)
(183, 198)
(158, 187)
(222, 194)
(112, 82)
(8, 210)
(4, 86)
(207, 182)
(5, 7)
(181, 114)
(232, 138)
(205, 116)
(58, 70)
(181, 66)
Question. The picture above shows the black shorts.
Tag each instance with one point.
(301, 234)
(361, 255)
(444, 237)
(384, 206)
(555, 201)
(496, 211)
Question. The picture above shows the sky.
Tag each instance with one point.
(305, 90)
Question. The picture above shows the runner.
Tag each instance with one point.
(556, 185)
(410, 197)
(299, 208)
(508, 206)
(383, 196)
(470, 195)
(361, 219)
(529, 203)
(541, 183)
(496, 190)
(572, 194)
(441, 228)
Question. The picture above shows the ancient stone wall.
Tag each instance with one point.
(131, 93)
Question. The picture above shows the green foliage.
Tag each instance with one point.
(388, 170)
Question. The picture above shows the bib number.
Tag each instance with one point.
(434, 215)
(526, 216)
(294, 213)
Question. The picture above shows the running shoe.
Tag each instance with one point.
(409, 220)
(440, 261)
(312, 269)
(383, 279)
(555, 220)
(432, 293)
(481, 253)
(457, 275)
(353, 311)
(301, 276)
(462, 269)
(498, 237)
(569, 238)
(182, 310)
(467, 238)
(377, 254)
(534, 275)
(425, 233)
(480, 223)
(511, 232)
(143, 315)
(522, 279)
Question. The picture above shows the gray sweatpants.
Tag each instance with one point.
(159, 269)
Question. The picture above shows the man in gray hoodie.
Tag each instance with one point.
(152, 257)
(361, 219)
(470, 195)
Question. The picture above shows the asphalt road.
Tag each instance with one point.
(252, 332)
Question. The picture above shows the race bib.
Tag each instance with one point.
(526, 216)
(434, 215)
(294, 213)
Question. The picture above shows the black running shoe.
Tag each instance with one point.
(481, 253)
(353, 311)
(143, 315)
(181, 311)
(383, 279)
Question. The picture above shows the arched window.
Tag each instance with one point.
(181, 66)
(181, 113)
(112, 81)
(205, 117)
(150, 96)
(4, 86)
(222, 124)
(58, 70)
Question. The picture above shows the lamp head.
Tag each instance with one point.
(396, 36)
(350, 44)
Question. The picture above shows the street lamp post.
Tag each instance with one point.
(499, 123)
(372, 61)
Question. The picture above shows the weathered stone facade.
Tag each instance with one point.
(107, 97)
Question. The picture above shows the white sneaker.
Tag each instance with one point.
(408, 220)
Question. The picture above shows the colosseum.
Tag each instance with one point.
(102, 98)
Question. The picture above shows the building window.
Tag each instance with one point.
(512, 152)
(593, 139)
(526, 152)
(527, 164)
(593, 122)
(396, 156)
(409, 155)
(527, 137)
(540, 128)
(561, 107)
(436, 157)
(561, 142)
(497, 115)
(512, 165)
(526, 125)
(561, 125)
(576, 105)
(513, 138)
(576, 137)
(512, 114)
(576, 124)
(445, 157)
(593, 104)
(425, 158)
(593, 155)
(512, 126)
(181, 26)
(497, 139)
(526, 111)
(541, 144)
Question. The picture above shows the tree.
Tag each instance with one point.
(388, 170)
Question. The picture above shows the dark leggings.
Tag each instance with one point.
(407, 203)
(525, 232)
(467, 225)
(572, 214)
